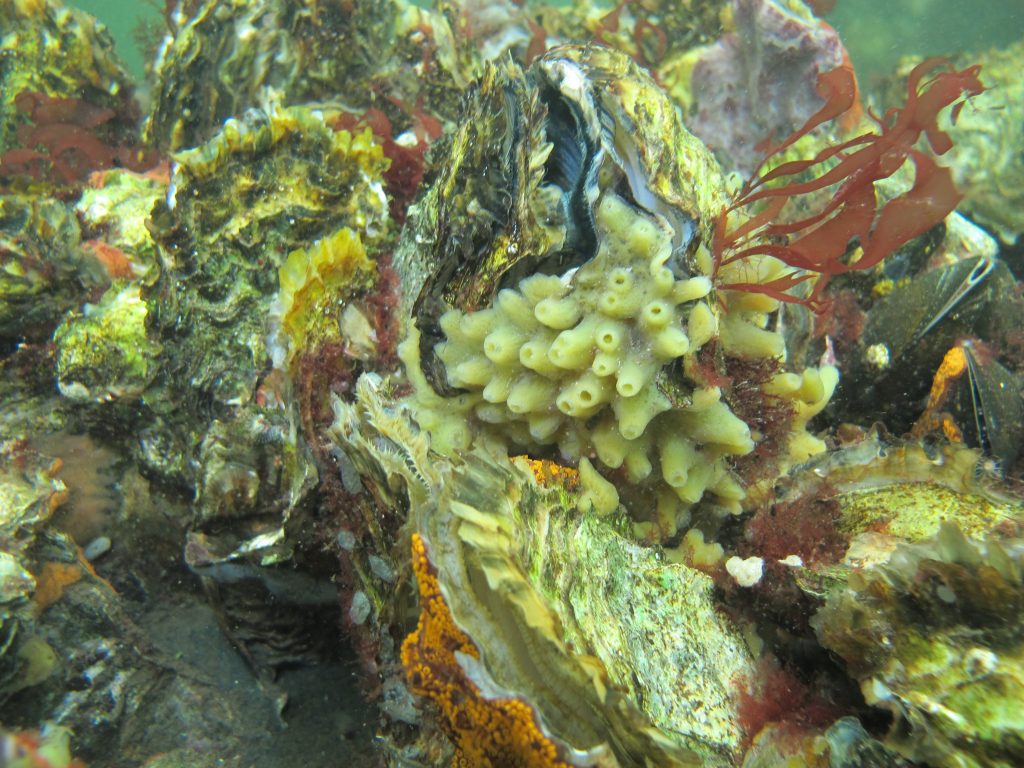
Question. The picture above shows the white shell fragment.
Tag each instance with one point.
(747, 572)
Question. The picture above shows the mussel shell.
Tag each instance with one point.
(986, 404)
(915, 326)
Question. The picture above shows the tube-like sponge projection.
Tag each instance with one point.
(534, 355)
(720, 426)
(678, 456)
(671, 343)
(690, 290)
(584, 396)
(619, 304)
(530, 393)
(605, 363)
(747, 340)
(620, 281)
(474, 372)
(702, 325)
(635, 413)
(502, 345)
(543, 426)
(474, 326)
(632, 378)
(611, 447)
(655, 315)
(536, 288)
(610, 335)
(598, 493)
(558, 314)
(638, 465)
(574, 349)
(516, 308)
(497, 389)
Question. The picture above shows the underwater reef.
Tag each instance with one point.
(489, 383)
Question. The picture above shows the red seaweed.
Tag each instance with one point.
(777, 695)
(408, 160)
(816, 246)
(609, 23)
(538, 41)
(66, 139)
(642, 31)
(806, 527)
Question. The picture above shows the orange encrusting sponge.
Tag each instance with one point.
(487, 733)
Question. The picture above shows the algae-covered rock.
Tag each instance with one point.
(66, 104)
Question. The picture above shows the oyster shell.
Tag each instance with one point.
(43, 269)
(985, 157)
(932, 635)
(539, 594)
(564, 294)
(521, 178)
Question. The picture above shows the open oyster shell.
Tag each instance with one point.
(564, 301)
(523, 172)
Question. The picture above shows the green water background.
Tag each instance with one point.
(876, 32)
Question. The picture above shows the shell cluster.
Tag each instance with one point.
(546, 646)
(932, 636)
(501, 448)
(584, 325)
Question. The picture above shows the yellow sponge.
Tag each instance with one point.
(603, 363)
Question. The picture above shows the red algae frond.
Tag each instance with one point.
(779, 696)
(487, 733)
(66, 139)
(815, 246)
